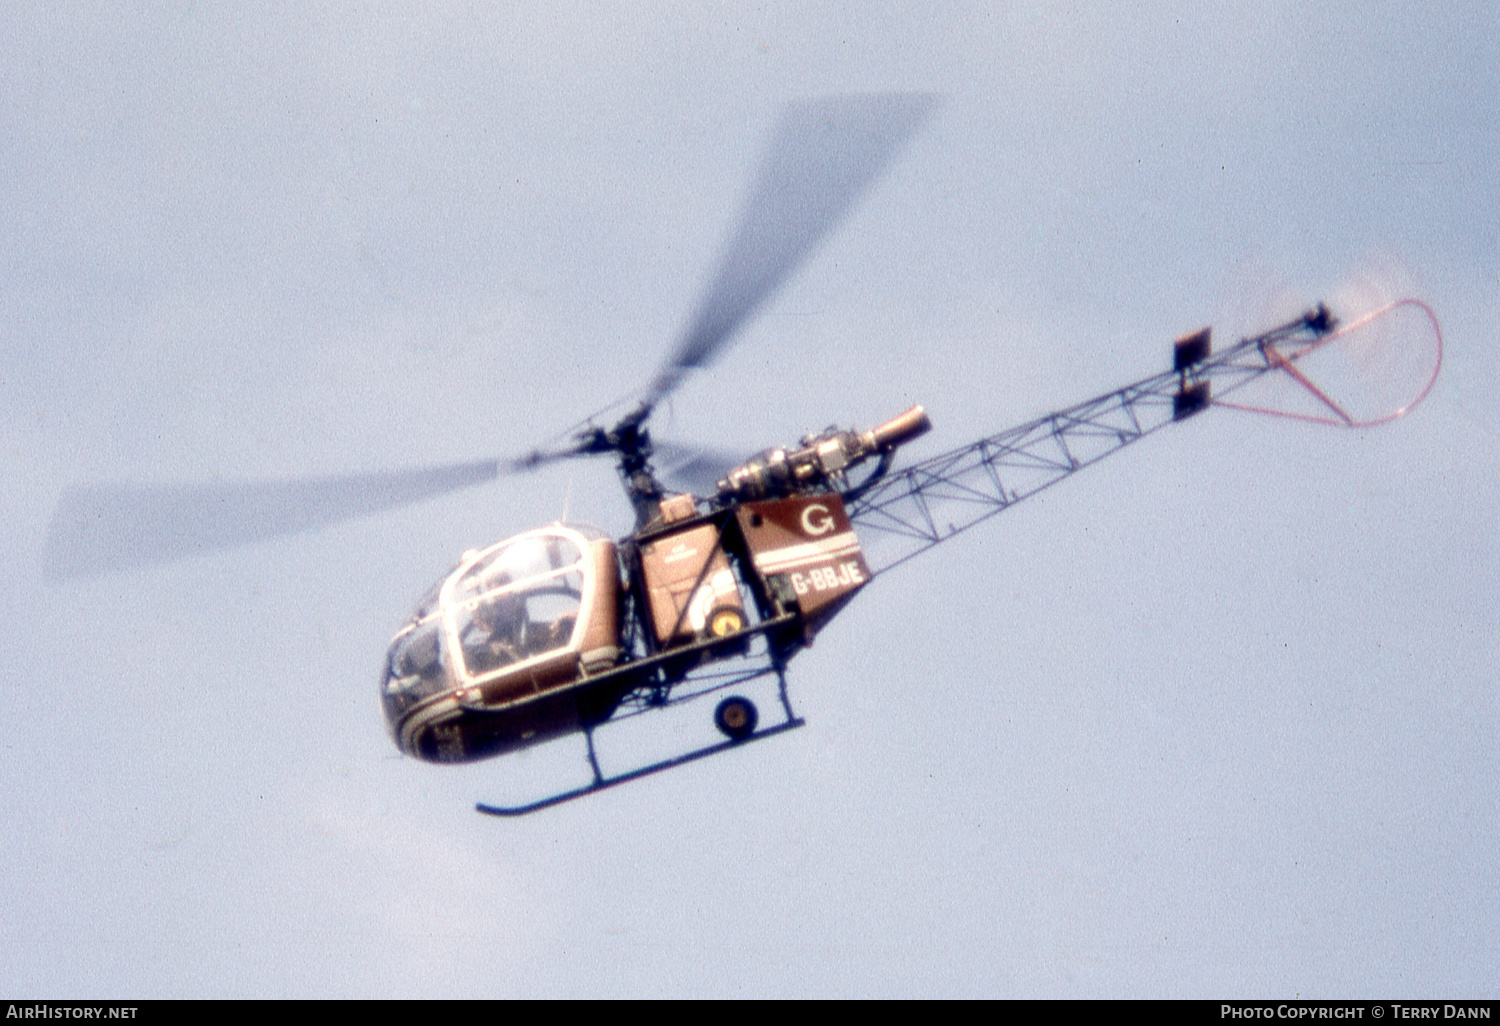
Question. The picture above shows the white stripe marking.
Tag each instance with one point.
(846, 544)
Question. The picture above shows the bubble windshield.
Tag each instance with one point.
(519, 601)
(514, 602)
(527, 557)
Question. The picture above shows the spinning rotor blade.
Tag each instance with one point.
(694, 468)
(102, 528)
(824, 154)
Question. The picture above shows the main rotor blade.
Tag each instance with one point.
(101, 528)
(695, 468)
(824, 154)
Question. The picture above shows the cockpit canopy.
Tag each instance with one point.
(526, 601)
(518, 600)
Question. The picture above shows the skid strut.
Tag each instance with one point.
(603, 783)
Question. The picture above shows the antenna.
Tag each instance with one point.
(567, 500)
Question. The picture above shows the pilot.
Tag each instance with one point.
(557, 633)
(498, 633)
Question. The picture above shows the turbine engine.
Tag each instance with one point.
(821, 460)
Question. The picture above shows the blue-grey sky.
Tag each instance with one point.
(1216, 717)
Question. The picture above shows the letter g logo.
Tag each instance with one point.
(816, 520)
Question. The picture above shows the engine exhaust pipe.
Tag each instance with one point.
(898, 430)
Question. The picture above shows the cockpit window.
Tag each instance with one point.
(414, 667)
(520, 601)
(429, 602)
(519, 622)
(519, 560)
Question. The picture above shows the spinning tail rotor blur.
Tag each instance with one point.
(1368, 370)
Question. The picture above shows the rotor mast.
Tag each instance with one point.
(630, 440)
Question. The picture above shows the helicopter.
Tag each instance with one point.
(562, 629)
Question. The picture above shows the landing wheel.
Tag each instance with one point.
(736, 717)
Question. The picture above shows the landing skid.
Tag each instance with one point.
(603, 783)
(735, 716)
